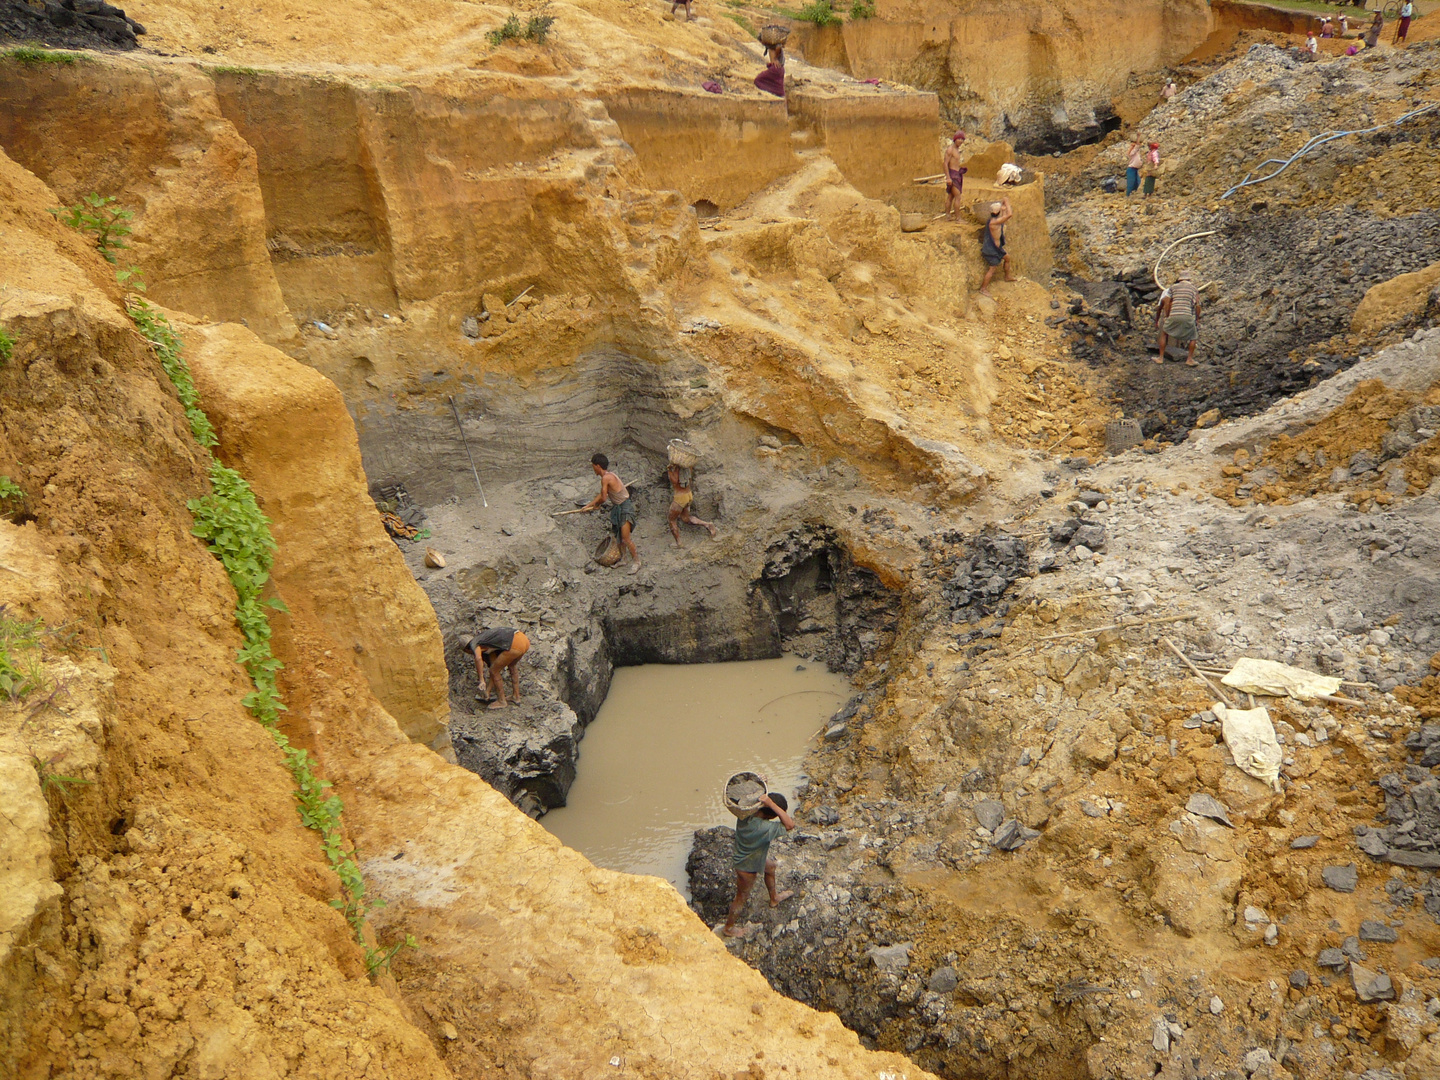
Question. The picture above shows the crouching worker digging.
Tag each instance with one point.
(496, 650)
(752, 854)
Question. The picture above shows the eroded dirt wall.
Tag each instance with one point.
(717, 148)
(153, 137)
(1031, 75)
(185, 911)
(334, 557)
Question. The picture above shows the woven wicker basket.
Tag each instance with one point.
(774, 34)
(607, 552)
(739, 810)
(1120, 435)
(682, 453)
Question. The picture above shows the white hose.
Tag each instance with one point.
(1193, 236)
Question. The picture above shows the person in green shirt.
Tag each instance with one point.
(752, 854)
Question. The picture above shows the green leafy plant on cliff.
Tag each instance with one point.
(536, 29)
(156, 329)
(9, 492)
(30, 54)
(98, 214)
(862, 9)
(237, 532)
(7, 346)
(740, 21)
(22, 671)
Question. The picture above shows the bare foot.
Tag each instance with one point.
(781, 897)
(497, 705)
(1192, 363)
(1011, 279)
(712, 531)
(634, 568)
(986, 293)
(734, 931)
(1159, 360)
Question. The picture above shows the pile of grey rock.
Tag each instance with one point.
(104, 19)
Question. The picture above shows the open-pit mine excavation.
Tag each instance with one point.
(456, 457)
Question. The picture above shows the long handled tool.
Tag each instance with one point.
(485, 502)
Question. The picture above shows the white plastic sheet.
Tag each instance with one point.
(1251, 738)
(1279, 680)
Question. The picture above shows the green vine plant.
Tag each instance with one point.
(130, 276)
(7, 346)
(22, 669)
(237, 533)
(97, 214)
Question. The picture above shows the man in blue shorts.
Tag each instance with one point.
(752, 854)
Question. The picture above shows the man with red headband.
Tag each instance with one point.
(954, 175)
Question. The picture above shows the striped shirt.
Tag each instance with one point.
(1182, 299)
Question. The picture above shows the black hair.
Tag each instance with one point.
(779, 800)
(601, 460)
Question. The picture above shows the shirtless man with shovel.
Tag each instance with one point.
(622, 507)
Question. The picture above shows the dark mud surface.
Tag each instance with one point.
(1287, 285)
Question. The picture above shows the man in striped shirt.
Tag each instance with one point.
(1181, 313)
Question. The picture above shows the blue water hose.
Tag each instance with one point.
(1318, 141)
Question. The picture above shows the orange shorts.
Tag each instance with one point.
(519, 646)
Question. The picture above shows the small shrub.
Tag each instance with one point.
(29, 54)
(862, 9)
(510, 30)
(21, 669)
(7, 346)
(536, 29)
(95, 213)
(742, 22)
(9, 489)
(819, 12)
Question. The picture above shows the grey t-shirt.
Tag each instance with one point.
(497, 639)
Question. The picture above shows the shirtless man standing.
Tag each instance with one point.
(622, 508)
(681, 499)
(954, 175)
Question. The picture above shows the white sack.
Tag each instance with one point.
(1251, 739)
(1279, 680)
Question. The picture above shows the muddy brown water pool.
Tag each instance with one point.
(654, 761)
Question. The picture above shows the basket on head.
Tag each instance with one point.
(607, 553)
(682, 453)
(774, 34)
(742, 794)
